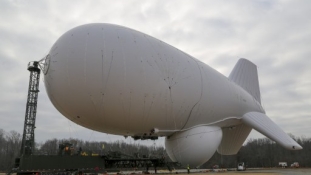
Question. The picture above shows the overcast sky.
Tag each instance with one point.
(275, 35)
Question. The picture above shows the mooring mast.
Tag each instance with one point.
(31, 109)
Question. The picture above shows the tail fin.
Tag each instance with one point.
(267, 127)
(245, 75)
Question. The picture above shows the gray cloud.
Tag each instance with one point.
(275, 35)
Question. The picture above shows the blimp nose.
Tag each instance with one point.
(95, 81)
(115, 79)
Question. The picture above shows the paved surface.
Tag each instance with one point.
(281, 171)
(277, 171)
(261, 171)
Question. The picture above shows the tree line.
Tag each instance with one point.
(264, 152)
(260, 152)
(10, 144)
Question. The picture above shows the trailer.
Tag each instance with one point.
(56, 164)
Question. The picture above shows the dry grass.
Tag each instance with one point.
(218, 173)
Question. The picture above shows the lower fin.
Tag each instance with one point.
(233, 138)
(267, 127)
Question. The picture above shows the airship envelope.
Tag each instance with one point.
(116, 80)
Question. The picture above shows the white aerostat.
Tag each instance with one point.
(116, 80)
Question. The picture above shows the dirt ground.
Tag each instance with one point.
(236, 173)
